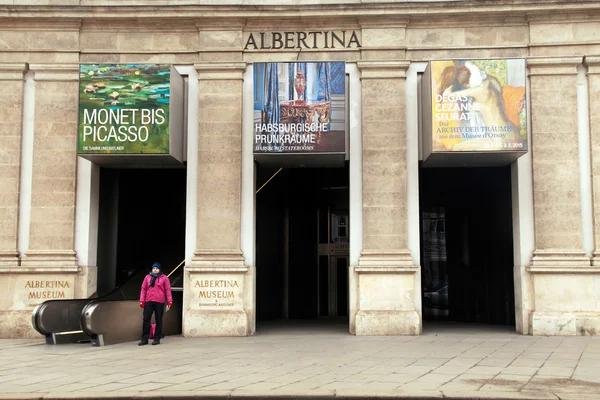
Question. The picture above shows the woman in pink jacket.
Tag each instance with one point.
(156, 290)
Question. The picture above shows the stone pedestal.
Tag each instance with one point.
(565, 296)
(387, 287)
(219, 286)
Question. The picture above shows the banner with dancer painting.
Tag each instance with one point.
(299, 107)
(477, 105)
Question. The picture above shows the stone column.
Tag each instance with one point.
(219, 286)
(564, 296)
(11, 114)
(593, 65)
(387, 301)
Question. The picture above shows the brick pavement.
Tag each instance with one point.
(447, 361)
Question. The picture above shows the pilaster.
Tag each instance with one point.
(593, 74)
(386, 273)
(217, 299)
(11, 111)
(565, 298)
(54, 174)
(383, 38)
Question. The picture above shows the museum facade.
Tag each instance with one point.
(385, 164)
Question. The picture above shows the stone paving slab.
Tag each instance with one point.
(316, 362)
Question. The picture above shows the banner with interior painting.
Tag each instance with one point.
(299, 107)
(477, 105)
(129, 109)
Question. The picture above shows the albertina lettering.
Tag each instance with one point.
(219, 283)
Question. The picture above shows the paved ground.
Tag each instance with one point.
(448, 361)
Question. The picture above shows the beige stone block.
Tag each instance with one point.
(58, 184)
(380, 171)
(51, 40)
(217, 292)
(386, 242)
(553, 323)
(100, 58)
(567, 293)
(391, 113)
(518, 51)
(221, 114)
(382, 54)
(220, 40)
(565, 50)
(439, 37)
(86, 281)
(49, 240)
(161, 58)
(8, 220)
(9, 200)
(59, 57)
(135, 41)
(586, 31)
(26, 291)
(58, 199)
(222, 88)
(481, 36)
(50, 213)
(383, 199)
(215, 323)
(510, 35)
(9, 157)
(551, 33)
(387, 322)
(63, 133)
(50, 142)
(45, 157)
(13, 40)
(386, 291)
(17, 325)
(54, 172)
(9, 171)
(383, 37)
(98, 40)
(215, 233)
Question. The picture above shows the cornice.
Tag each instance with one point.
(593, 64)
(474, 9)
(382, 22)
(151, 25)
(12, 72)
(40, 24)
(382, 69)
(220, 71)
(55, 72)
(553, 65)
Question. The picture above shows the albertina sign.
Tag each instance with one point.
(129, 109)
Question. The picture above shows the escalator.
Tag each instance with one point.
(110, 319)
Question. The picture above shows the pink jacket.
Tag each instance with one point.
(159, 293)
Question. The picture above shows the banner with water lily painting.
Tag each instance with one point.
(127, 109)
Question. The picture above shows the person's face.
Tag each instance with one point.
(155, 270)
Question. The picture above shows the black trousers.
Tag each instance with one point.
(158, 309)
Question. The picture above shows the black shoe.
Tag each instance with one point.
(143, 342)
(155, 341)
